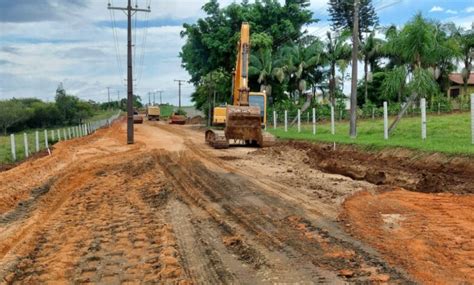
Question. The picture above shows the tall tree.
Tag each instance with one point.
(337, 51)
(342, 15)
(416, 44)
(371, 49)
(12, 112)
(210, 42)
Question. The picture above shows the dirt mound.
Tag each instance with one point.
(434, 173)
(8, 166)
(196, 120)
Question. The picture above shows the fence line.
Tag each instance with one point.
(55, 135)
(472, 117)
(296, 115)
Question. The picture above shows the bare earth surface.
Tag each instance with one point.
(169, 209)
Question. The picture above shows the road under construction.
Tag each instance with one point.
(171, 209)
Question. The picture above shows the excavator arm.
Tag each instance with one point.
(241, 90)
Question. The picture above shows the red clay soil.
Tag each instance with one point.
(431, 236)
(428, 173)
(8, 166)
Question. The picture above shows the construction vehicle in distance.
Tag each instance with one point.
(153, 113)
(244, 121)
(177, 119)
(137, 118)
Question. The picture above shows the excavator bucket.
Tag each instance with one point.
(243, 123)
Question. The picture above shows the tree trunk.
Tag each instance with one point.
(332, 84)
(366, 74)
(402, 113)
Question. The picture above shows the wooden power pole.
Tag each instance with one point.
(355, 49)
(129, 11)
(179, 84)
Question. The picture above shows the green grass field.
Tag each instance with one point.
(450, 134)
(5, 146)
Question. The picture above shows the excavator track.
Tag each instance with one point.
(267, 139)
(217, 139)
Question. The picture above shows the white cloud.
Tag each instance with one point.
(469, 9)
(449, 11)
(436, 9)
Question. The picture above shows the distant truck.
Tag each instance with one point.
(153, 113)
(137, 118)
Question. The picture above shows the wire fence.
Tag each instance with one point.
(24, 145)
(312, 117)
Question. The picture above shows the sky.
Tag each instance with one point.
(45, 42)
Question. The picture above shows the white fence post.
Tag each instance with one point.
(423, 118)
(58, 131)
(37, 141)
(314, 121)
(385, 121)
(25, 142)
(286, 121)
(472, 117)
(65, 134)
(12, 142)
(46, 139)
(52, 136)
(333, 127)
(274, 120)
(299, 120)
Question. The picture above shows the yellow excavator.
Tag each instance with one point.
(244, 121)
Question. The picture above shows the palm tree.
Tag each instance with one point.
(464, 41)
(298, 64)
(337, 50)
(371, 50)
(261, 65)
(414, 46)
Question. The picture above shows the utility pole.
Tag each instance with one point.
(160, 91)
(179, 84)
(149, 98)
(129, 11)
(355, 49)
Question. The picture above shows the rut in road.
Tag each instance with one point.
(261, 222)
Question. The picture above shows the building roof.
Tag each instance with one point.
(457, 78)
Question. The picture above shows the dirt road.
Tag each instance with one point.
(171, 210)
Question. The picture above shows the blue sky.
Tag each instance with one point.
(44, 42)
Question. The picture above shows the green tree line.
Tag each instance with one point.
(401, 64)
(31, 113)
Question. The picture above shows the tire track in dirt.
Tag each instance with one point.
(276, 224)
(103, 236)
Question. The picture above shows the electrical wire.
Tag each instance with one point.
(144, 41)
(116, 45)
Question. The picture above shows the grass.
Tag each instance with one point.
(166, 110)
(450, 134)
(5, 146)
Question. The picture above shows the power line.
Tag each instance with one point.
(116, 45)
(143, 45)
